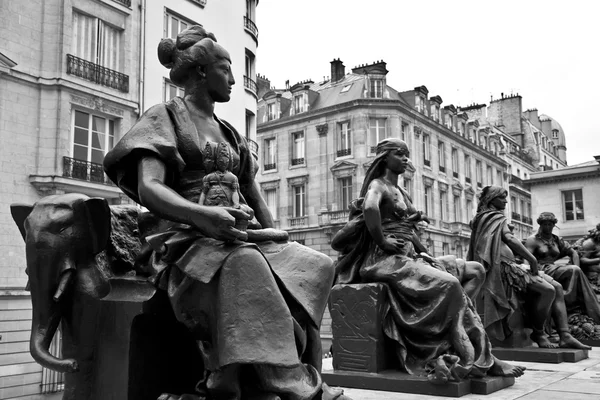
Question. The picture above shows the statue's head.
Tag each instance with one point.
(492, 198)
(391, 153)
(547, 221)
(196, 58)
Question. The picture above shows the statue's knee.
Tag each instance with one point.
(476, 270)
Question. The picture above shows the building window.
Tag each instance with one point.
(408, 186)
(299, 201)
(449, 121)
(435, 112)
(428, 201)
(454, 156)
(404, 131)
(463, 128)
(513, 206)
(445, 249)
(171, 90)
(420, 103)
(457, 209)
(459, 251)
(376, 88)
(270, 156)
(345, 190)
(249, 124)
(271, 111)
(490, 177)
(442, 156)
(573, 204)
(96, 41)
(376, 132)
(344, 140)
(467, 168)
(478, 173)
(249, 65)
(175, 24)
(300, 103)
(93, 136)
(469, 204)
(298, 148)
(271, 200)
(426, 149)
(555, 133)
(444, 205)
(498, 177)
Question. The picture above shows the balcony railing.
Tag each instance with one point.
(527, 220)
(97, 73)
(458, 228)
(296, 222)
(126, 3)
(250, 86)
(516, 216)
(344, 152)
(298, 161)
(334, 217)
(84, 170)
(253, 146)
(53, 381)
(269, 167)
(251, 27)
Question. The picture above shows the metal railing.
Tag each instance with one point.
(298, 221)
(527, 220)
(268, 167)
(253, 146)
(84, 170)
(53, 381)
(250, 85)
(334, 217)
(126, 3)
(298, 161)
(251, 27)
(516, 216)
(97, 73)
(344, 152)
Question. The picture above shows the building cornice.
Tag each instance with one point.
(564, 177)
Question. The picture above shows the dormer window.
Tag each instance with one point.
(554, 133)
(271, 111)
(449, 122)
(435, 112)
(300, 103)
(346, 88)
(376, 88)
(419, 103)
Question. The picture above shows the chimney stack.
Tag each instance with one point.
(338, 71)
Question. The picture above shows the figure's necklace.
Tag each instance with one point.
(547, 241)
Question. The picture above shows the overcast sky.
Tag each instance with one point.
(464, 51)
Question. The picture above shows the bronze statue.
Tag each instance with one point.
(547, 248)
(507, 282)
(429, 313)
(250, 305)
(588, 249)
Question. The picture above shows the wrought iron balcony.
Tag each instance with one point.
(253, 147)
(126, 3)
(296, 222)
(334, 217)
(459, 228)
(516, 216)
(97, 73)
(250, 86)
(527, 220)
(344, 152)
(298, 161)
(250, 26)
(268, 167)
(84, 170)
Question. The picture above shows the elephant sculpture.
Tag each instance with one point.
(80, 262)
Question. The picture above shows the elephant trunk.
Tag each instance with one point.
(47, 314)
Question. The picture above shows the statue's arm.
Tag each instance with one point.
(372, 213)
(258, 204)
(589, 255)
(567, 250)
(517, 247)
(215, 222)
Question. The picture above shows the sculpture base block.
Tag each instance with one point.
(490, 384)
(395, 381)
(535, 354)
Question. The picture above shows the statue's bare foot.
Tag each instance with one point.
(502, 368)
(569, 342)
(542, 340)
(329, 393)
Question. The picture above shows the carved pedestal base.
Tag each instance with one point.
(535, 354)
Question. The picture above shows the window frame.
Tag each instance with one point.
(345, 192)
(426, 141)
(302, 199)
(98, 52)
(574, 200)
(274, 208)
(167, 83)
(376, 135)
(298, 156)
(344, 135)
(270, 156)
(442, 156)
(90, 138)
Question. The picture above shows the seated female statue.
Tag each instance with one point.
(507, 282)
(429, 313)
(548, 248)
(254, 306)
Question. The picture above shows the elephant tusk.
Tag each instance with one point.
(65, 279)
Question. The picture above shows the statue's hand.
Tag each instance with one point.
(219, 222)
(392, 245)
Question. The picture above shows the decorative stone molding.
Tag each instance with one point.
(427, 181)
(297, 180)
(322, 129)
(96, 103)
(457, 189)
(342, 169)
(443, 186)
(469, 193)
(270, 185)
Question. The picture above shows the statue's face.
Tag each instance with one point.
(499, 203)
(219, 78)
(397, 159)
(546, 227)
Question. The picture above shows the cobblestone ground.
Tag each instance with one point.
(565, 381)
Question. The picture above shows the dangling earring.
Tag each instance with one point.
(201, 73)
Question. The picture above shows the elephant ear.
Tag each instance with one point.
(20, 212)
(98, 218)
